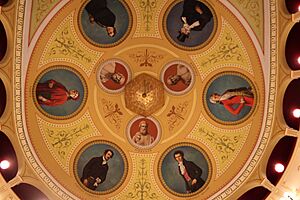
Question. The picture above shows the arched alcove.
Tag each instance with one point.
(291, 101)
(3, 2)
(28, 192)
(257, 193)
(292, 6)
(3, 40)
(7, 152)
(281, 153)
(2, 97)
(292, 48)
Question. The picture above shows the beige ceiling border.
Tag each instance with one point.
(20, 67)
(270, 77)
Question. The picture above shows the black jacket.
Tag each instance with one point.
(194, 172)
(94, 169)
(192, 15)
(102, 15)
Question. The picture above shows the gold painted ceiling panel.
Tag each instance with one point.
(82, 130)
(253, 12)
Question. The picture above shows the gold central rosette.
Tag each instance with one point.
(144, 95)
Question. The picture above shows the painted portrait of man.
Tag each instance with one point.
(178, 77)
(190, 172)
(95, 171)
(112, 75)
(142, 136)
(189, 23)
(101, 167)
(105, 22)
(144, 132)
(230, 97)
(60, 91)
(185, 169)
(53, 93)
(100, 14)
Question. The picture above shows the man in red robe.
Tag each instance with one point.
(53, 93)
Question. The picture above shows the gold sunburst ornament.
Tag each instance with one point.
(144, 95)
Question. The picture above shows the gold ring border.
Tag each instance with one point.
(247, 116)
(209, 176)
(130, 17)
(122, 155)
(185, 47)
(83, 100)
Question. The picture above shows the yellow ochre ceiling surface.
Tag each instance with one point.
(58, 140)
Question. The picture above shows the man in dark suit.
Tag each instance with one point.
(190, 172)
(195, 16)
(102, 15)
(95, 171)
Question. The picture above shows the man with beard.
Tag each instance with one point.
(143, 137)
(190, 172)
(109, 72)
(95, 171)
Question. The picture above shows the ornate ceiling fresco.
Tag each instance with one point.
(148, 94)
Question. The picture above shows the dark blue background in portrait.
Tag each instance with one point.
(220, 85)
(72, 82)
(169, 168)
(174, 24)
(115, 164)
(97, 33)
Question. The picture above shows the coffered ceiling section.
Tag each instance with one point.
(152, 82)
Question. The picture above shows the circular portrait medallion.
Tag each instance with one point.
(189, 24)
(143, 132)
(230, 97)
(112, 75)
(184, 169)
(178, 77)
(100, 167)
(105, 23)
(60, 92)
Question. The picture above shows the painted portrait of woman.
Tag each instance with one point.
(230, 97)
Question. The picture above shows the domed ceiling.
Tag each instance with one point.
(148, 95)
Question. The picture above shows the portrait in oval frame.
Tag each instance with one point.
(184, 169)
(230, 97)
(178, 77)
(181, 24)
(105, 23)
(112, 75)
(60, 92)
(143, 132)
(104, 178)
